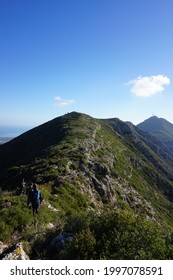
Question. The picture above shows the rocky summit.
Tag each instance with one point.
(107, 189)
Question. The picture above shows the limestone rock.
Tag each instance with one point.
(2, 247)
(17, 254)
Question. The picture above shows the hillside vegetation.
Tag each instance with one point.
(106, 184)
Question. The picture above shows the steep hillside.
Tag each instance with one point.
(95, 169)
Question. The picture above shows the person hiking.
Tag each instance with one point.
(35, 197)
(22, 188)
(29, 194)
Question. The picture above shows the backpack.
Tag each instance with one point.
(35, 196)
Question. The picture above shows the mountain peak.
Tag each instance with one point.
(160, 128)
(155, 123)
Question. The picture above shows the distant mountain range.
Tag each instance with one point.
(88, 165)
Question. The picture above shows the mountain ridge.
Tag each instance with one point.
(42, 139)
(93, 165)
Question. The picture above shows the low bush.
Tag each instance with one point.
(120, 236)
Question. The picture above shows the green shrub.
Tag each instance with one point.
(82, 246)
(119, 236)
(69, 198)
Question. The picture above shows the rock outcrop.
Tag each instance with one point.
(16, 253)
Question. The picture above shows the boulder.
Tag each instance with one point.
(2, 247)
(61, 240)
(17, 254)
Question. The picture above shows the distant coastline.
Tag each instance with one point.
(3, 140)
(12, 131)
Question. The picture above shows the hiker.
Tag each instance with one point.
(35, 198)
(22, 188)
(29, 191)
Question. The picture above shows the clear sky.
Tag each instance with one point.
(105, 58)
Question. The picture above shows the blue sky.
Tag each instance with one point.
(105, 58)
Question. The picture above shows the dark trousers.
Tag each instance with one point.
(35, 206)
